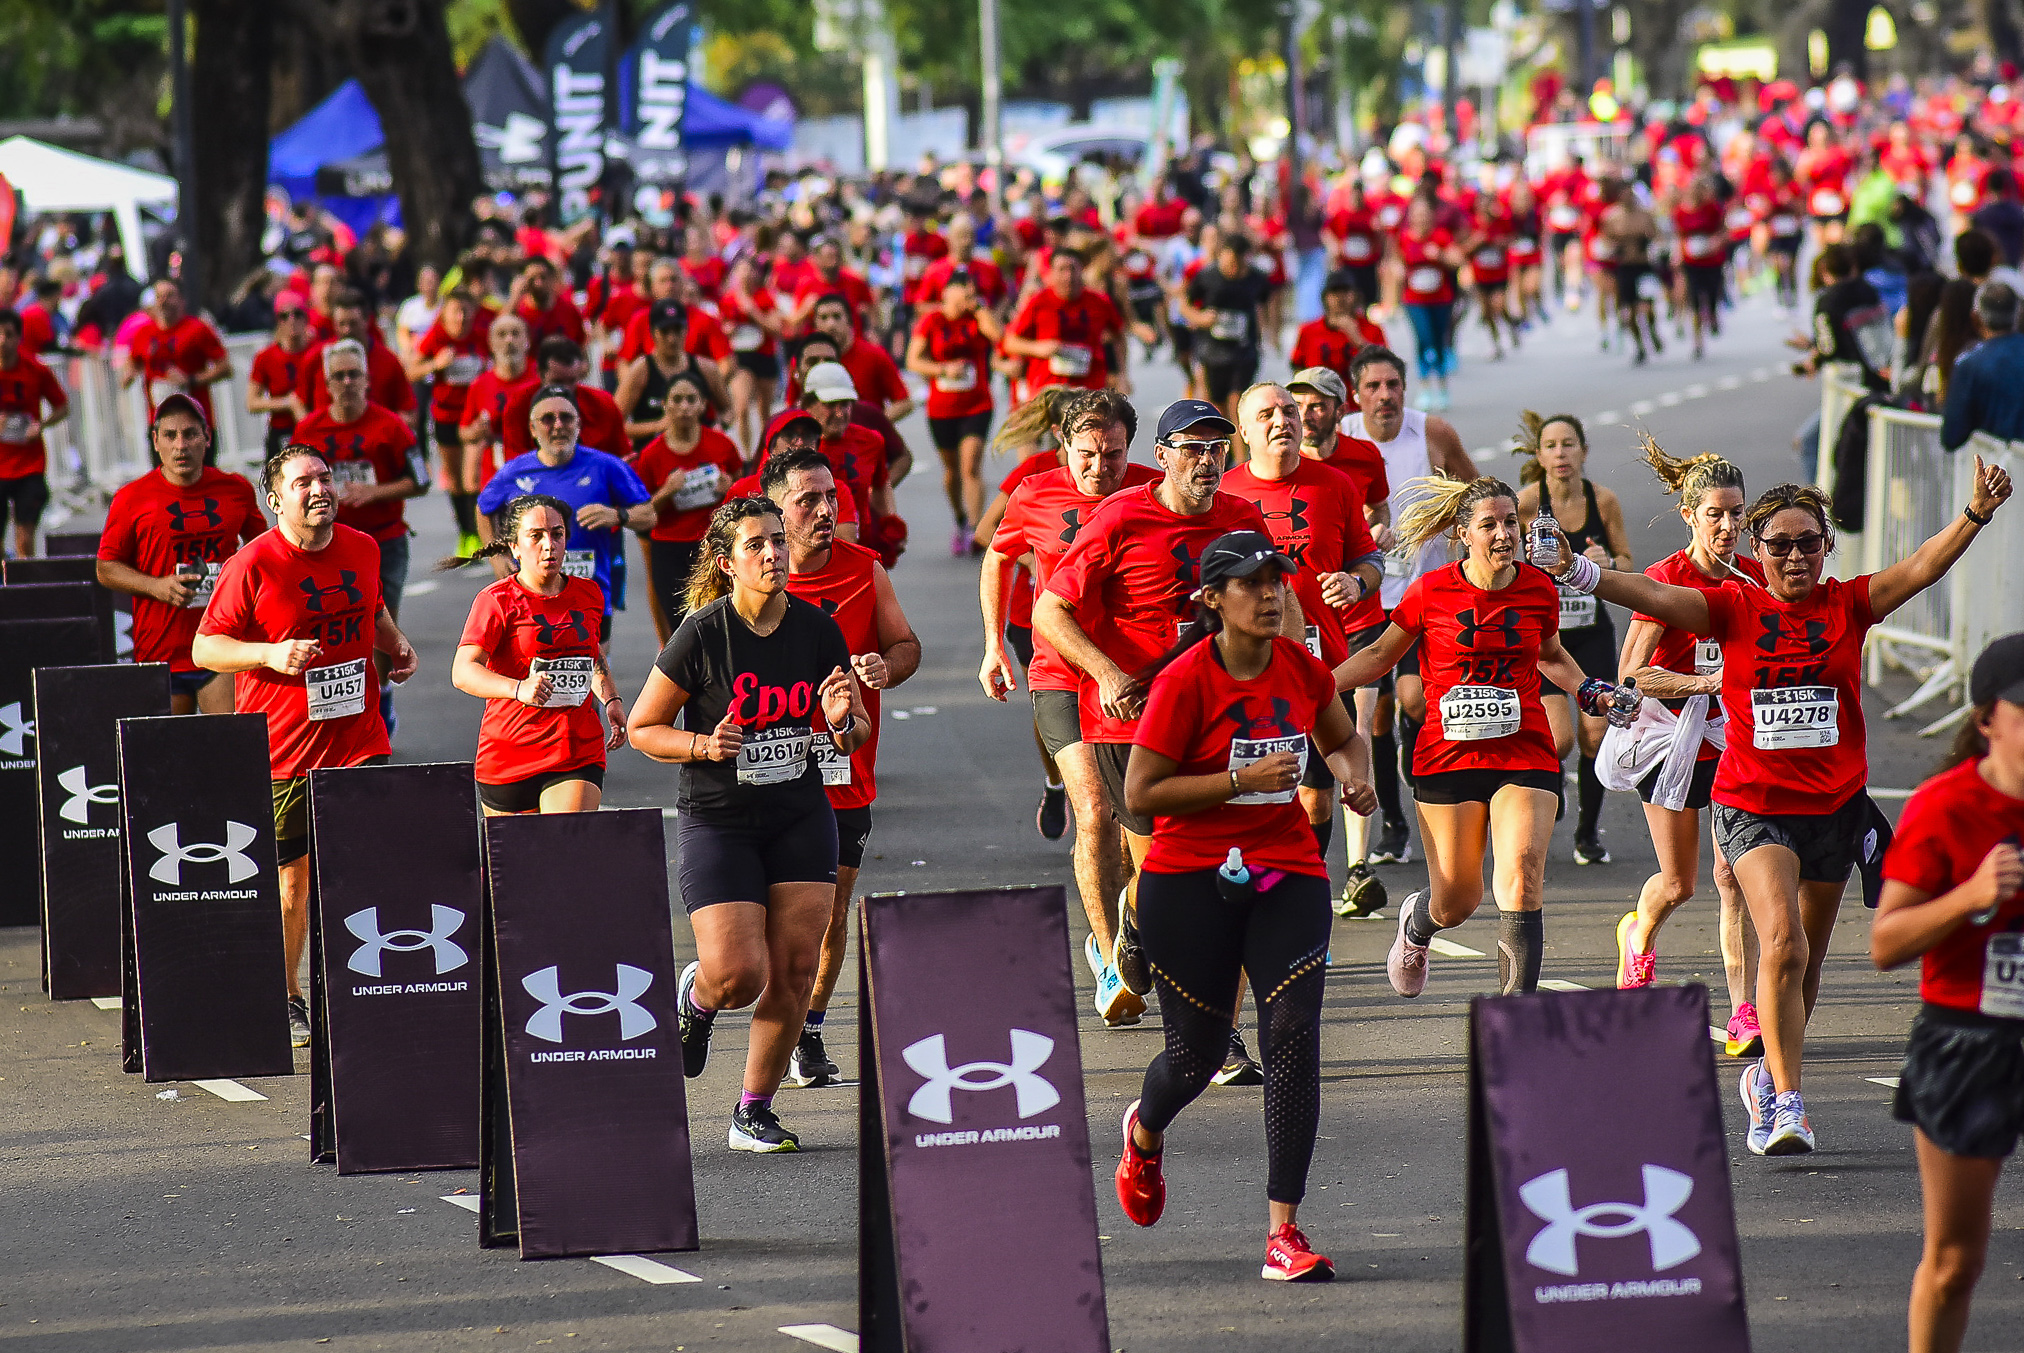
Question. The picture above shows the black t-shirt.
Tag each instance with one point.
(1850, 324)
(1234, 335)
(774, 681)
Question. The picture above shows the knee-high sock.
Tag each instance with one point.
(1591, 794)
(1521, 943)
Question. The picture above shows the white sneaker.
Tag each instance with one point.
(1092, 954)
(1406, 964)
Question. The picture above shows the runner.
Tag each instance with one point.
(1630, 230)
(1228, 727)
(798, 430)
(1951, 895)
(755, 676)
(1557, 450)
(560, 362)
(165, 537)
(1704, 249)
(1790, 812)
(848, 583)
(481, 438)
(1343, 330)
(529, 650)
(1426, 257)
(294, 616)
(387, 383)
(1356, 247)
(1066, 332)
(1490, 630)
(1526, 255)
(752, 319)
(689, 469)
(271, 381)
(1488, 249)
(857, 455)
(606, 496)
(1042, 521)
(1113, 604)
(870, 366)
(448, 358)
(1672, 666)
(1785, 233)
(544, 304)
(31, 401)
(1224, 304)
(951, 347)
(173, 350)
(644, 385)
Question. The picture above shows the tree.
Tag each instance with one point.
(233, 65)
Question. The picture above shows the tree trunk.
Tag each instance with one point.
(2000, 23)
(231, 67)
(1843, 23)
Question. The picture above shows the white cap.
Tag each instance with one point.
(829, 383)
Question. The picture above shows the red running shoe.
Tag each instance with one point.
(1141, 1188)
(1290, 1259)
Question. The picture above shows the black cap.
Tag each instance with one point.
(669, 314)
(1999, 672)
(1241, 554)
(1342, 279)
(1187, 413)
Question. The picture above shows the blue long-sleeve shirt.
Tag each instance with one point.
(1986, 393)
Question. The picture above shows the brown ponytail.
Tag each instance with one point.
(707, 582)
(510, 517)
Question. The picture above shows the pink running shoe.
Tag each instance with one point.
(1746, 1037)
(1632, 968)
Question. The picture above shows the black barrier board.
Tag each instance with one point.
(77, 713)
(57, 638)
(197, 821)
(582, 1046)
(59, 544)
(1598, 1219)
(395, 857)
(115, 620)
(974, 1077)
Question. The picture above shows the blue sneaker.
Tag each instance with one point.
(1760, 1097)
(1791, 1134)
(1117, 1003)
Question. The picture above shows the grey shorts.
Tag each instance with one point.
(1827, 844)
(1058, 716)
(1111, 759)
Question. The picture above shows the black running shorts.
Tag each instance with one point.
(1111, 759)
(853, 832)
(1962, 1082)
(948, 433)
(524, 796)
(723, 861)
(1827, 844)
(1058, 716)
(1698, 790)
(1479, 786)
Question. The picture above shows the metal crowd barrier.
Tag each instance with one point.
(1840, 387)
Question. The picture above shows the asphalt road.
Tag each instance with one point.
(133, 1222)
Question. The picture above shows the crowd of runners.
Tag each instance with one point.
(1312, 605)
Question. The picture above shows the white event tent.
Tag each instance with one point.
(51, 179)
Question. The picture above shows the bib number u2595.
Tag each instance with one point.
(1478, 713)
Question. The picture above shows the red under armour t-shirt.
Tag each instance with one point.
(514, 626)
(846, 590)
(1948, 827)
(1315, 515)
(1479, 657)
(379, 448)
(154, 525)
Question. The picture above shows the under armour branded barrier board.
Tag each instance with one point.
(40, 626)
(584, 1147)
(207, 999)
(977, 1225)
(397, 888)
(114, 620)
(77, 714)
(1597, 1219)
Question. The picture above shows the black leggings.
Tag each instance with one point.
(672, 561)
(1197, 944)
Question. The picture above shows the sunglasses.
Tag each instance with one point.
(557, 420)
(1219, 447)
(1809, 544)
(290, 313)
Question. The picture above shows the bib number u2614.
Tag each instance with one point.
(1788, 717)
(1478, 713)
(336, 691)
(774, 756)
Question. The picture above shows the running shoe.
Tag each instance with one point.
(1238, 1068)
(1119, 1006)
(695, 1025)
(810, 1065)
(1791, 1134)
(959, 542)
(1128, 957)
(1141, 1188)
(1363, 893)
(298, 1022)
(1589, 850)
(1290, 1259)
(1092, 954)
(1394, 846)
(1052, 819)
(1760, 1097)
(755, 1128)
(1406, 964)
(1746, 1037)
(1633, 969)
(469, 544)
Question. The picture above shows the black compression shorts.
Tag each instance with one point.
(1962, 1081)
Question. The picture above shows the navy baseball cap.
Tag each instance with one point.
(1192, 413)
(668, 314)
(1999, 673)
(1240, 554)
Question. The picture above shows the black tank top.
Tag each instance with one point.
(1591, 532)
(653, 399)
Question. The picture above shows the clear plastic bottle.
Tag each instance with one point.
(1623, 706)
(1233, 878)
(1543, 545)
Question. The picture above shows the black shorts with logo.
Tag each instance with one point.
(1962, 1082)
(1111, 759)
(853, 833)
(1827, 844)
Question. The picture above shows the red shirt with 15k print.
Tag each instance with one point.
(1316, 519)
(957, 340)
(1208, 723)
(1129, 579)
(1684, 651)
(846, 590)
(1947, 828)
(373, 450)
(1082, 326)
(1479, 656)
(271, 592)
(514, 626)
(156, 527)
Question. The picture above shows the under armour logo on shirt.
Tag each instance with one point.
(180, 515)
(1505, 625)
(346, 584)
(1774, 632)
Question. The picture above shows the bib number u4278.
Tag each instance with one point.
(1479, 713)
(1788, 717)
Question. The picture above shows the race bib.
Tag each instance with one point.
(579, 563)
(1963, 194)
(746, 337)
(464, 368)
(1600, 248)
(1577, 610)
(14, 427)
(699, 489)
(1249, 751)
(2003, 976)
(1563, 217)
(1072, 359)
(1649, 288)
(209, 584)
(1489, 257)
(1478, 713)
(834, 765)
(1827, 202)
(955, 385)
(359, 472)
(1525, 244)
(1698, 245)
(1314, 640)
(568, 680)
(1785, 225)
(1230, 326)
(336, 691)
(1356, 248)
(1707, 657)
(1786, 717)
(774, 756)
(916, 265)
(1739, 218)
(1423, 278)
(1396, 566)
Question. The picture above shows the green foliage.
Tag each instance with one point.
(78, 57)
(473, 23)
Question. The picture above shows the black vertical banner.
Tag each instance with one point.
(49, 625)
(197, 822)
(115, 618)
(399, 1040)
(581, 1036)
(654, 92)
(77, 714)
(577, 59)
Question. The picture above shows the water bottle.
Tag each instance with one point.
(1233, 879)
(1544, 547)
(1623, 706)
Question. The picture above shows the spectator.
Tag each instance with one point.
(1952, 333)
(1850, 323)
(1978, 258)
(1913, 323)
(2000, 217)
(1986, 393)
(1879, 268)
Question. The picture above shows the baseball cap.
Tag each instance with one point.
(668, 314)
(1999, 673)
(1187, 413)
(786, 419)
(1322, 380)
(829, 383)
(178, 402)
(1240, 554)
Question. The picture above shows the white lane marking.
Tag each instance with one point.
(1761, 374)
(1643, 407)
(1887, 1082)
(823, 1336)
(230, 1091)
(646, 1270)
(106, 1002)
(1450, 949)
(1606, 416)
(1729, 383)
(467, 1201)
(1670, 398)
(420, 589)
(1556, 984)
(1695, 391)
(1890, 793)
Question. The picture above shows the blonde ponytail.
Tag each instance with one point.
(1692, 478)
(1440, 502)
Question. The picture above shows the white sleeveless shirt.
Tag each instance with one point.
(1405, 458)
